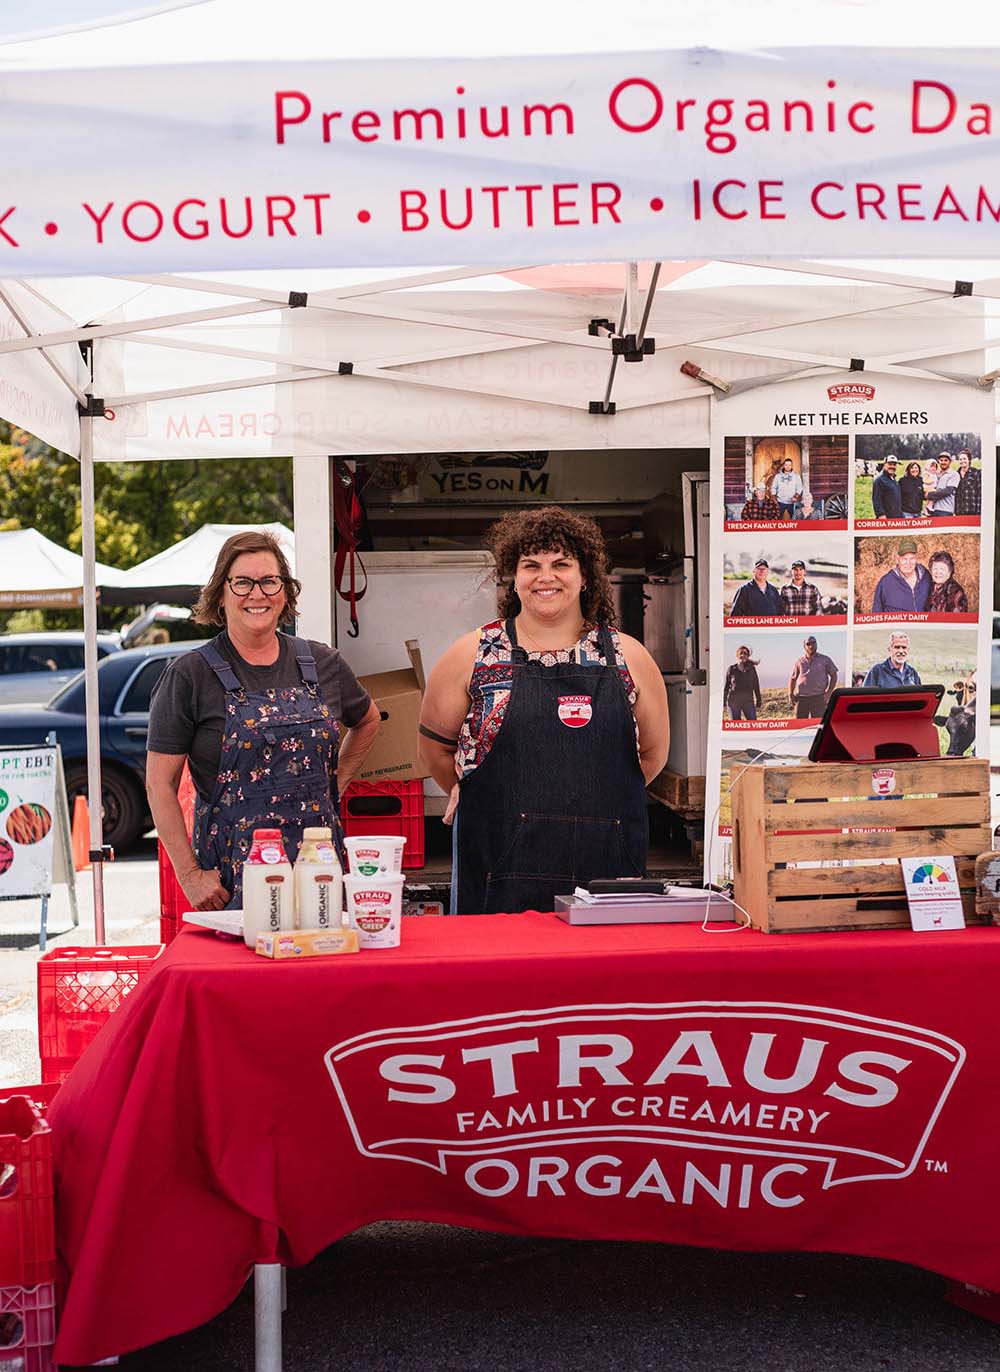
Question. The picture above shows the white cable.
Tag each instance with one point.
(713, 829)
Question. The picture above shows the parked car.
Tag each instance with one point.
(125, 681)
(34, 666)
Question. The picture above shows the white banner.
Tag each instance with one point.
(827, 152)
(27, 821)
(852, 544)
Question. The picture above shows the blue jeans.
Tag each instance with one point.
(742, 709)
(784, 509)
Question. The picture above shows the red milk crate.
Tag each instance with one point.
(40, 1094)
(27, 1232)
(387, 807)
(172, 899)
(78, 990)
(27, 1328)
(173, 902)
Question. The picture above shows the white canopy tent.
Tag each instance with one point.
(37, 573)
(179, 572)
(288, 356)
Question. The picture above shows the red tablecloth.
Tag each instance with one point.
(823, 1092)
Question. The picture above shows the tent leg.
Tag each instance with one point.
(267, 1317)
(90, 671)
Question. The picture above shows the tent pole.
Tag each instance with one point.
(90, 671)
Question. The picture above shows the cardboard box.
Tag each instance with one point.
(398, 696)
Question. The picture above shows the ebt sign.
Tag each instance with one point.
(725, 1103)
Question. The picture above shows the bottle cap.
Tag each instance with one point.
(317, 834)
(264, 834)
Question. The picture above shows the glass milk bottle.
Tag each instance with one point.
(268, 894)
(319, 882)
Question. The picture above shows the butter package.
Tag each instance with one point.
(308, 943)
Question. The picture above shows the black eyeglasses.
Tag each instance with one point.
(243, 585)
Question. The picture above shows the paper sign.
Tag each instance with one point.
(27, 807)
(932, 893)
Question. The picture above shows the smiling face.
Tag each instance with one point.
(548, 584)
(809, 647)
(963, 463)
(899, 649)
(907, 563)
(760, 574)
(787, 465)
(742, 656)
(944, 461)
(798, 575)
(255, 615)
(940, 571)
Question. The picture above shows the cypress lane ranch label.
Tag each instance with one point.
(718, 1104)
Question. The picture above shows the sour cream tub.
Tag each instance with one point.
(375, 909)
(375, 854)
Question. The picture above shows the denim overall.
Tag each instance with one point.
(560, 797)
(277, 769)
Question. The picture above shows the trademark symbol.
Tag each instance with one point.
(933, 1165)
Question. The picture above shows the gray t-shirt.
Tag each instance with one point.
(188, 707)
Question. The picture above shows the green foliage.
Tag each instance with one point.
(140, 507)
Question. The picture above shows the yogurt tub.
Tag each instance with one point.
(375, 909)
(375, 854)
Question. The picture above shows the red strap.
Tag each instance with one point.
(348, 519)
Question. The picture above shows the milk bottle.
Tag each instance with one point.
(268, 894)
(318, 882)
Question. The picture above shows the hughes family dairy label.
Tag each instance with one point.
(575, 711)
(735, 1105)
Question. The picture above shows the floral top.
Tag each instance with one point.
(491, 682)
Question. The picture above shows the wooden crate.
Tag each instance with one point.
(789, 815)
(684, 795)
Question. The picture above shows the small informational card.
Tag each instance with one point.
(932, 893)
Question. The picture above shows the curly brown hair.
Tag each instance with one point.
(209, 607)
(551, 529)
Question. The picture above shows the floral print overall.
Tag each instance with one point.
(277, 769)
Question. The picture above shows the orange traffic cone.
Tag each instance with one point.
(81, 835)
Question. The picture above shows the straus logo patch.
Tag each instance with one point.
(883, 781)
(575, 711)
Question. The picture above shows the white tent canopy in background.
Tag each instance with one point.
(37, 573)
(182, 569)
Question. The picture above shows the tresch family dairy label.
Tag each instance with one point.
(799, 1098)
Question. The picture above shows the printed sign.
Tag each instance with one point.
(757, 1105)
(849, 548)
(27, 813)
(932, 893)
(559, 158)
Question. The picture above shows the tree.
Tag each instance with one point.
(140, 507)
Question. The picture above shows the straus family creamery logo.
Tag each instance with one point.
(575, 711)
(732, 1103)
(851, 392)
(883, 781)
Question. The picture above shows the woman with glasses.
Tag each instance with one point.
(272, 727)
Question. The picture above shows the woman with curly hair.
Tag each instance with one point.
(270, 724)
(552, 721)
